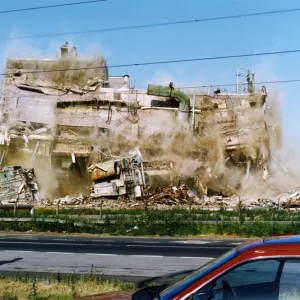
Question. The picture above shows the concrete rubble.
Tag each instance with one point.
(290, 199)
(69, 200)
(263, 203)
(165, 197)
(216, 201)
(18, 185)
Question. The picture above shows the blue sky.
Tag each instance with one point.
(246, 35)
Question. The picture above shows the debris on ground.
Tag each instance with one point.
(171, 196)
(19, 185)
(290, 199)
(263, 203)
(216, 201)
(131, 229)
(69, 200)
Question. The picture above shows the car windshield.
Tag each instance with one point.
(181, 284)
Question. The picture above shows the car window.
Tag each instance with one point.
(290, 280)
(240, 280)
(180, 285)
(255, 272)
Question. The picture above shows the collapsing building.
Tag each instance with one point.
(70, 116)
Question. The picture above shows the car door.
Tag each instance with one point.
(256, 279)
(289, 286)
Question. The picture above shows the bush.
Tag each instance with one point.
(165, 223)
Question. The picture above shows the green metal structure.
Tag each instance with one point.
(170, 92)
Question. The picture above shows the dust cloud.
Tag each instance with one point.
(46, 176)
(204, 156)
(283, 162)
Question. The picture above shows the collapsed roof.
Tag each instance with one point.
(58, 76)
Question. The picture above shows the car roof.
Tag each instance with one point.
(282, 239)
(270, 244)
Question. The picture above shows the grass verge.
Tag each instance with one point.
(243, 223)
(26, 288)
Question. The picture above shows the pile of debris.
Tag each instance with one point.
(263, 203)
(216, 201)
(290, 199)
(166, 197)
(172, 196)
(67, 200)
(18, 185)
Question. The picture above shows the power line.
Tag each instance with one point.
(234, 84)
(166, 62)
(50, 6)
(151, 25)
(212, 85)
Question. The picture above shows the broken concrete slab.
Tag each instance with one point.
(18, 184)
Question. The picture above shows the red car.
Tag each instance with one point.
(266, 269)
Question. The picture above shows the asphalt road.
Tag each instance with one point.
(119, 246)
(110, 256)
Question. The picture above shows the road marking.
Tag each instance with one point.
(149, 256)
(107, 254)
(142, 242)
(235, 243)
(189, 257)
(59, 253)
(18, 251)
(24, 238)
(18, 238)
(67, 240)
(101, 254)
(35, 243)
(193, 242)
(186, 247)
(106, 241)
